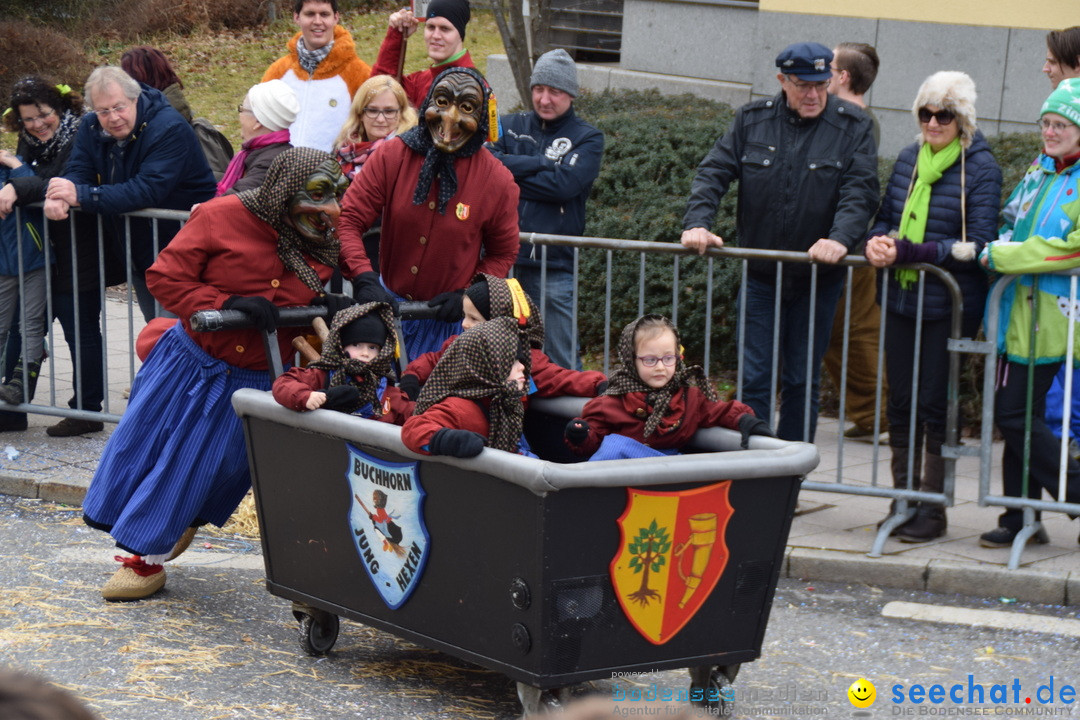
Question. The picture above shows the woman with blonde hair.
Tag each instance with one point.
(940, 208)
(379, 111)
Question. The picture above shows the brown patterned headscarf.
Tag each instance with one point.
(346, 370)
(625, 379)
(476, 366)
(505, 299)
(269, 202)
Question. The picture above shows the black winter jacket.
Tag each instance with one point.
(554, 165)
(943, 229)
(800, 180)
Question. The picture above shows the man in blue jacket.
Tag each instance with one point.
(133, 151)
(554, 156)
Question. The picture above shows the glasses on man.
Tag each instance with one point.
(388, 113)
(242, 109)
(651, 360)
(943, 117)
(804, 87)
(1056, 125)
(115, 110)
(38, 119)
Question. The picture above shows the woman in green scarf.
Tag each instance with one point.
(940, 208)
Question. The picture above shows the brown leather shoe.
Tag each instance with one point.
(70, 427)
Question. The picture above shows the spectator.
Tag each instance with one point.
(150, 158)
(46, 145)
(924, 220)
(268, 110)
(854, 68)
(177, 460)
(379, 112)
(1039, 235)
(449, 210)
(554, 156)
(807, 171)
(149, 66)
(444, 38)
(323, 69)
(1062, 55)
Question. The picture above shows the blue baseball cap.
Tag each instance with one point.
(806, 60)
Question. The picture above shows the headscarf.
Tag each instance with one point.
(476, 366)
(270, 203)
(501, 293)
(437, 163)
(346, 370)
(65, 133)
(625, 379)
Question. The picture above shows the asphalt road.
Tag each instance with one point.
(216, 644)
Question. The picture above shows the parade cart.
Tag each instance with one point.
(552, 573)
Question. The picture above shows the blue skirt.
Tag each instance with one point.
(178, 454)
(424, 336)
(620, 447)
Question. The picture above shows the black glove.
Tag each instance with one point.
(334, 303)
(458, 443)
(601, 387)
(263, 313)
(341, 397)
(367, 288)
(448, 306)
(410, 385)
(577, 430)
(752, 425)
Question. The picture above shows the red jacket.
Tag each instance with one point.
(421, 252)
(626, 414)
(224, 250)
(454, 413)
(293, 388)
(418, 83)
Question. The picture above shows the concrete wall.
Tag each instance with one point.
(727, 53)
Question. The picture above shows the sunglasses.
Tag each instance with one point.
(943, 117)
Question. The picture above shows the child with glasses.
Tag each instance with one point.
(654, 403)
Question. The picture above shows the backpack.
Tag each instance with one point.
(215, 146)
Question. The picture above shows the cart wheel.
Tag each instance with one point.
(318, 634)
(536, 702)
(715, 683)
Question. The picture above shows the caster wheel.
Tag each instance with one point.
(318, 634)
(710, 687)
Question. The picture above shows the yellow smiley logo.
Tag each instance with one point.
(862, 693)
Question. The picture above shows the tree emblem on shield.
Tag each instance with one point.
(672, 552)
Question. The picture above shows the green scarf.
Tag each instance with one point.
(929, 168)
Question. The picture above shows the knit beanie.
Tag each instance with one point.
(556, 69)
(1065, 101)
(365, 329)
(455, 11)
(480, 295)
(274, 104)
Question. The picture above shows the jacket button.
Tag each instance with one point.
(423, 240)
(766, 162)
(431, 205)
(813, 165)
(239, 348)
(275, 283)
(414, 269)
(408, 297)
(640, 412)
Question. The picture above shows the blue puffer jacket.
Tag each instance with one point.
(554, 164)
(160, 165)
(943, 228)
(29, 233)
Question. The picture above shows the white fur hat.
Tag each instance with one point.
(950, 90)
(274, 104)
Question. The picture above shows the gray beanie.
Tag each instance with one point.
(274, 104)
(556, 69)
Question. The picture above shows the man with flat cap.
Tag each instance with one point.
(806, 163)
(444, 39)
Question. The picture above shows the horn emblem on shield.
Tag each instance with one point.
(671, 554)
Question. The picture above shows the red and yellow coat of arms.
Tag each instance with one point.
(671, 554)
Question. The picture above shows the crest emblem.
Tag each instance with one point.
(671, 554)
(387, 523)
(462, 211)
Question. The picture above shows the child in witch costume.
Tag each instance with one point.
(475, 396)
(351, 376)
(655, 403)
(489, 297)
